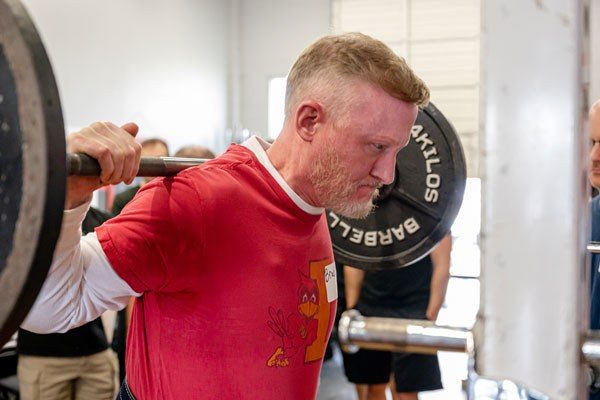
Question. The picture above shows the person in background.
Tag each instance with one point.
(413, 292)
(73, 365)
(594, 177)
(195, 151)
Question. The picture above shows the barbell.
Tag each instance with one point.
(412, 214)
(356, 331)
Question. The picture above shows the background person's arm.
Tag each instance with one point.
(353, 278)
(440, 257)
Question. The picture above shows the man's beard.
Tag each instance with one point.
(329, 178)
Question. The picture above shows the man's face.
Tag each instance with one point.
(594, 166)
(359, 156)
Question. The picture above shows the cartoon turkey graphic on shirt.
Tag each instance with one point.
(299, 329)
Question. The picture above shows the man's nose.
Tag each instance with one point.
(385, 169)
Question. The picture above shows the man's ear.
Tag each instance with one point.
(309, 115)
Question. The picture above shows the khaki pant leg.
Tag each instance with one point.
(99, 377)
(46, 377)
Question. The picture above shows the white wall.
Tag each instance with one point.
(162, 64)
(272, 34)
(185, 70)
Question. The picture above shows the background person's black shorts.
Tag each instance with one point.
(412, 372)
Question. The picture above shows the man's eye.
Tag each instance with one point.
(378, 146)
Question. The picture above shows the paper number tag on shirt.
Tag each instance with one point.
(331, 282)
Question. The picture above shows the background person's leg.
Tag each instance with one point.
(377, 392)
(98, 379)
(369, 370)
(362, 391)
(403, 395)
(47, 377)
(415, 373)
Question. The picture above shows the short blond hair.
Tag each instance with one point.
(324, 68)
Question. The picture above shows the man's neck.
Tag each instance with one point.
(289, 160)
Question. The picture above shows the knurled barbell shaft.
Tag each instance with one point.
(401, 335)
(84, 165)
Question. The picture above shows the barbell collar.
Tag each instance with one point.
(84, 165)
(590, 349)
(593, 247)
(400, 335)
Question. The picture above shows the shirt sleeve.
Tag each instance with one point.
(80, 285)
(158, 237)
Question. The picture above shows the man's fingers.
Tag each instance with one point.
(131, 165)
(137, 148)
(103, 154)
(88, 142)
(117, 153)
(133, 153)
(126, 151)
(131, 128)
(114, 147)
(104, 134)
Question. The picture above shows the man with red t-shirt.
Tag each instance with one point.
(231, 261)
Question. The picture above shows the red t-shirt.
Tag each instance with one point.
(234, 276)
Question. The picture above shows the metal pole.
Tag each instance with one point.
(400, 335)
(532, 314)
(593, 247)
(590, 350)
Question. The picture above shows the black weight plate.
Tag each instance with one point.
(32, 165)
(415, 212)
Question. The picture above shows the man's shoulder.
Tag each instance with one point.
(235, 156)
(225, 171)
